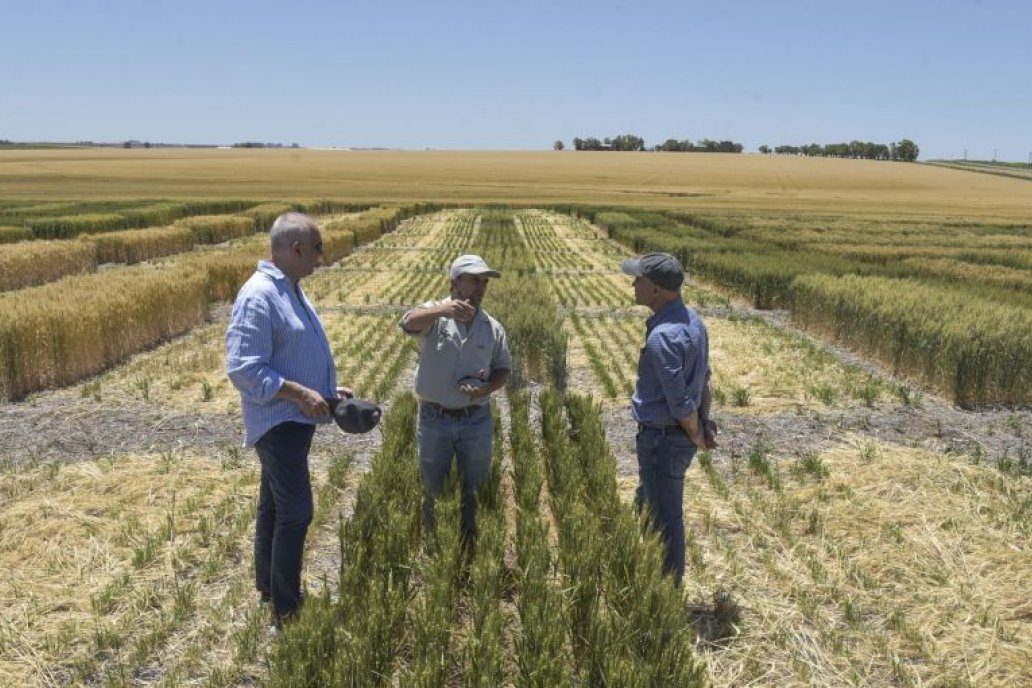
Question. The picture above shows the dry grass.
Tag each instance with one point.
(891, 570)
(92, 553)
(108, 558)
(662, 180)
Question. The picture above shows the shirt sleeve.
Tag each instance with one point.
(669, 361)
(417, 333)
(249, 349)
(500, 357)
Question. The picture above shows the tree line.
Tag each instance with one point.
(631, 142)
(905, 150)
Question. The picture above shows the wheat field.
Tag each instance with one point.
(667, 180)
(854, 528)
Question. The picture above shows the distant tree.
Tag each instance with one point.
(907, 150)
(558, 145)
(813, 150)
(626, 142)
(765, 149)
(839, 150)
(578, 143)
(146, 144)
(127, 144)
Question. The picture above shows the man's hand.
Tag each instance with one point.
(710, 430)
(475, 387)
(312, 404)
(345, 393)
(463, 311)
(691, 426)
(697, 438)
(701, 431)
(308, 400)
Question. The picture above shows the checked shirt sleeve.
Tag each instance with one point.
(669, 360)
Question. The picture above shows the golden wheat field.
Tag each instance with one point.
(695, 180)
(855, 527)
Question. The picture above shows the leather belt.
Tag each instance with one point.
(663, 429)
(463, 412)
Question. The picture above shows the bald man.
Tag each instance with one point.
(278, 357)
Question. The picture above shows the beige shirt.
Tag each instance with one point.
(450, 351)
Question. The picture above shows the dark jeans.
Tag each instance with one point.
(284, 512)
(663, 458)
(467, 439)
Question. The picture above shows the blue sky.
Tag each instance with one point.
(952, 75)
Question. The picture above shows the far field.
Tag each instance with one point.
(855, 528)
(663, 180)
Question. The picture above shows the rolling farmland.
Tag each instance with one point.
(866, 520)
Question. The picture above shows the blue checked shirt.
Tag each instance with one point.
(672, 367)
(274, 335)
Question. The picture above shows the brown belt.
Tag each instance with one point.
(453, 412)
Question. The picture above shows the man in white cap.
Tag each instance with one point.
(463, 359)
(671, 400)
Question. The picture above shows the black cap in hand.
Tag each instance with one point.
(355, 415)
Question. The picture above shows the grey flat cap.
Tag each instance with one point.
(662, 269)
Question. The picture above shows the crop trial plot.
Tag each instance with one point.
(823, 547)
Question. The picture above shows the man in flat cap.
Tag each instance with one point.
(671, 400)
(463, 359)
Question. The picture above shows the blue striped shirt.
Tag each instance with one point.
(274, 335)
(672, 367)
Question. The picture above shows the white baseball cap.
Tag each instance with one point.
(472, 265)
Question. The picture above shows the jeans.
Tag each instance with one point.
(284, 512)
(466, 438)
(663, 458)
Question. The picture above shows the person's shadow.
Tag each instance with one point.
(718, 623)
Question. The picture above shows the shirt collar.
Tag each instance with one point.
(267, 267)
(665, 313)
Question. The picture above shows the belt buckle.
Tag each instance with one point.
(462, 412)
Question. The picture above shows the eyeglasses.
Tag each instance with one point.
(317, 246)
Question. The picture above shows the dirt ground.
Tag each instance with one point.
(49, 426)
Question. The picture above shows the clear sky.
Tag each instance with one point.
(952, 75)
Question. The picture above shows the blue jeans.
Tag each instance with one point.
(284, 512)
(467, 439)
(663, 458)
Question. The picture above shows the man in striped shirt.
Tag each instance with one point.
(278, 357)
(671, 400)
